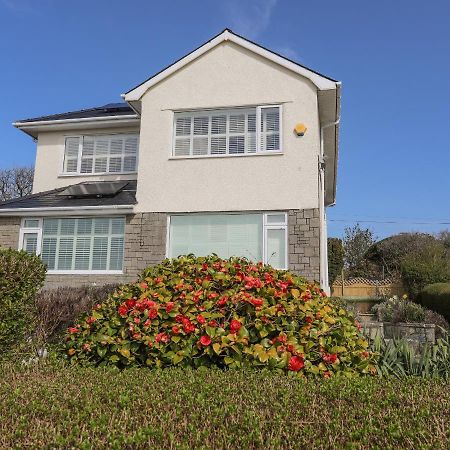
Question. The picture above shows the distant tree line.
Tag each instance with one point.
(417, 259)
(16, 182)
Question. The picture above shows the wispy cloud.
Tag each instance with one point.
(18, 6)
(289, 53)
(249, 18)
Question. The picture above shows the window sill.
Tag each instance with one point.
(85, 272)
(237, 155)
(64, 175)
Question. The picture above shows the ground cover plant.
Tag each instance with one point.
(102, 407)
(232, 313)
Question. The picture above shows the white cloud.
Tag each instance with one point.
(289, 53)
(250, 18)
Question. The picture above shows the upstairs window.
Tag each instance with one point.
(101, 154)
(219, 132)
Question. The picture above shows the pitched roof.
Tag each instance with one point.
(48, 200)
(320, 80)
(111, 109)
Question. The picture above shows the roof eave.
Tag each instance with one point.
(54, 211)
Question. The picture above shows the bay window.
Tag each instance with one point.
(76, 244)
(256, 236)
(223, 132)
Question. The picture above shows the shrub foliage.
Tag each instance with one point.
(21, 276)
(437, 297)
(228, 313)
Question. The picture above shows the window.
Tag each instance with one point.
(101, 154)
(227, 132)
(85, 244)
(258, 237)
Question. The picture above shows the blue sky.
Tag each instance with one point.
(393, 58)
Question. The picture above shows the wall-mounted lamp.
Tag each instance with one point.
(300, 129)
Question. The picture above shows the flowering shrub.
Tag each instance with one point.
(228, 313)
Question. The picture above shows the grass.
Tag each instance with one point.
(52, 406)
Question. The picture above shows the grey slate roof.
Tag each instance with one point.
(51, 199)
(111, 109)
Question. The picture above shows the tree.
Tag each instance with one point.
(16, 182)
(335, 258)
(357, 242)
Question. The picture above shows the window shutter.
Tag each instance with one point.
(270, 128)
(71, 151)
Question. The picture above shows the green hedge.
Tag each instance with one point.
(60, 407)
(21, 276)
(437, 298)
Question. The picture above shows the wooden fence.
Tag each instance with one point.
(362, 287)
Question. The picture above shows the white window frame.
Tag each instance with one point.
(39, 232)
(31, 230)
(265, 226)
(214, 111)
(81, 137)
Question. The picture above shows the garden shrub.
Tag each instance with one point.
(57, 309)
(397, 310)
(227, 313)
(437, 297)
(21, 276)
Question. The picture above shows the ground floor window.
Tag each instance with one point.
(257, 236)
(76, 244)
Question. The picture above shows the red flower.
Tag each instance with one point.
(137, 320)
(136, 336)
(201, 319)
(205, 340)
(152, 313)
(327, 374)
(123, 309)
(86, 347)
(291, 348)
(179, 318)
(213, 295)
(296, 363)
(144, 285)
(158, 280)
(147, 323)
(308, 319)
(169, 306)
(188, 326)
(162, 337)
(222, 301)
(365, 355)
(204, 267)
(155, 295)
(175, 329)
(256, 302)
(235, 326)
(358, 325)
(268, 278)
(90, 320)
(329, 358)
(131, 302)
(73, 330)
(282, 338)
(213, 323)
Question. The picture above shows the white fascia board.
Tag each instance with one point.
(322, 83)
(127, 117)
(77, 210)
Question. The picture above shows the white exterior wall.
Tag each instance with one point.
(50, 159)
(229, 76)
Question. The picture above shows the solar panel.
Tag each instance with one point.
(94, 189)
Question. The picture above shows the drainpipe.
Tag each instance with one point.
(324, 282)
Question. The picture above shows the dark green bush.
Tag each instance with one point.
(59, 308)
(21, 276)
(57, 407)
(335, 258)
(437, 298)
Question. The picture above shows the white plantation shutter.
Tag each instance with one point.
(84, 244)
(270, 128)
(102, 154)
(227, 132)
(71, 152)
